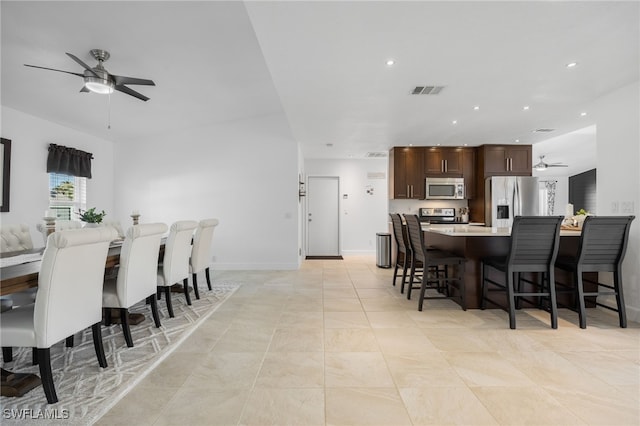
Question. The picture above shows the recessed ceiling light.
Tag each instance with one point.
(517, 140)
(437, 144)
(582, 114)
(572, 64)
(475, 108)
(390, 62)
(410, 144)
(454, 122)
(466, 144)
(526, 107)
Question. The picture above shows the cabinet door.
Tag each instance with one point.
(414, 165)
(495, 160)
(406, 173)
(443, 162)
(520, 160)
(469, 172)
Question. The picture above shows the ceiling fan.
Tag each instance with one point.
(543, 166)
(98, 79)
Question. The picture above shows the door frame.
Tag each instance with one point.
(306, 213)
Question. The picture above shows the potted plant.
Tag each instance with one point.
(579, 217)
(91, 217)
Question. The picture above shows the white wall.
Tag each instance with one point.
(245, 173)
(30, 138)
(362, 215)
(618, 180)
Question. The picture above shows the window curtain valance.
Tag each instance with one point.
(69, 161)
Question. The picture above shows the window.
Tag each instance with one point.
(67, 195)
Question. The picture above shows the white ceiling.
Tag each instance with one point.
(323, 65)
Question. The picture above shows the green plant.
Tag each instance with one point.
(91, 216)
(582, 211)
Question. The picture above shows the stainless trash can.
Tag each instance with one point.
(383, 250)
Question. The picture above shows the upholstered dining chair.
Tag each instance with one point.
(61, 225)
(137, 274)
(116, 225)
(69, 299)
(201, 252)
(175, 264)
(15, 238)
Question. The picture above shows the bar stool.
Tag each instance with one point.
(533, 247)
(436, 268)
(603, 245)
(404, 257)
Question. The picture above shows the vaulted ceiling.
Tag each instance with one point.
(323, 64)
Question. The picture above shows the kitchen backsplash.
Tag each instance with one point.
(412, 206)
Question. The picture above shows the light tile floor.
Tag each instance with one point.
(335, 343)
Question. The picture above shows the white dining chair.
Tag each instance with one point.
(175, 264)
(14, 238)
(61, 225)
(69, 299)
(137, 274)
(116, 225)
(201, 252)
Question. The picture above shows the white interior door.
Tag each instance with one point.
(323, 216)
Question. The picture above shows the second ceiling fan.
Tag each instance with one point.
(542, 165)
(99, 80)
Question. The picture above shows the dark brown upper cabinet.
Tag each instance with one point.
(505, 160)
(443, 162)
(406, 173)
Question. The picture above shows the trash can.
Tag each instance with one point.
(383, 250)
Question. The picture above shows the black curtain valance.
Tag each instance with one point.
(69, 161)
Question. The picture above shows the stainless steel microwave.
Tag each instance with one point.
(444, 189)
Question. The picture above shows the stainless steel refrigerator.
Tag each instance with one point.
(510, 196)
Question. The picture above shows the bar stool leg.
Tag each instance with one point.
(511, 299)
(582, 312)
(617, 283)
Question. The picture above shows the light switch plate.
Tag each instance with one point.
(627, 207)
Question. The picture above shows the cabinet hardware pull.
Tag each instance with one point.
(507, 160)
(446, 166)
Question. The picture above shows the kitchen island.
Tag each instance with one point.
(476, 242)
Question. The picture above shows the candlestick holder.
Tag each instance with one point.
(136, 218)
(49, 224)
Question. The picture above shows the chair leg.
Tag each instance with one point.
(552, 297)
(185, 287)
(107, 316)
(34, 356)
(206, 272)
(423, 288)
(154, 309)
(582, 311)
(126, 330)
(405, 268)
(483, 286)
(96, 331)
(7, 353)
(511, 299)
(44, 362)
(617, 283)
(167, 295)
(519, 286)
(395, 273)
(195, 286)
(69, 341)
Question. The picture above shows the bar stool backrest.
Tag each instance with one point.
(534, 242)
(604, 242)
(399, 233)
(416, 239)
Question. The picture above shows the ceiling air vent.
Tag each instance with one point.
(376, 155)
(543, 130)
(427, 90)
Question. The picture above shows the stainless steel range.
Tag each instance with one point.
(438, 215)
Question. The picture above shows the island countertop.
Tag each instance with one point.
(479, 231)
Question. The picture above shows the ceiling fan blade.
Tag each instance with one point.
(53, 69)
(125, 89)
(557, 165)
(119, 79)
(85, 66)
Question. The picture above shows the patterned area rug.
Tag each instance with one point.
(86, 391)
